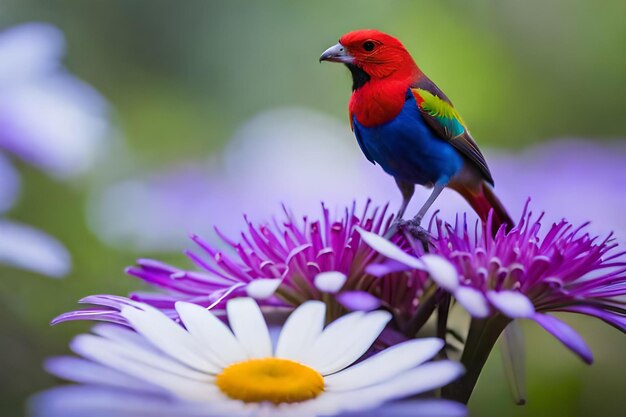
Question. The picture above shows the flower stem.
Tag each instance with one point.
(481, 338)
(428, 304)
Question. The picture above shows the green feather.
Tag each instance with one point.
(443, 111)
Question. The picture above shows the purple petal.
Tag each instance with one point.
(358, 301)
(28, 248)
(390, 337)
(513, 304)
(615, 320)
(388, 266)
(565, 334)
(107, 300)
(91, 314)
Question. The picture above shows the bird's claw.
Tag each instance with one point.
(413, 228)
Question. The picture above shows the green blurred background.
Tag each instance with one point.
(181, 76)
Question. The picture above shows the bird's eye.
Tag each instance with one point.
(368, 46)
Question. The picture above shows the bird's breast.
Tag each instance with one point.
(376, 103)
(407, 148)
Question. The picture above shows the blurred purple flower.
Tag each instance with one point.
(285, 154)
(577, 179)
(292, 156)
(526, 273)
(49, 119)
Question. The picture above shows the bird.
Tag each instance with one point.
(404, 123)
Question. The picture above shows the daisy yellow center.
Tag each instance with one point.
(270, 380)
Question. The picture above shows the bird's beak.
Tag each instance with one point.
(337, 53)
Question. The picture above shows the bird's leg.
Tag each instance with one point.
(407, 189)
(413, 226)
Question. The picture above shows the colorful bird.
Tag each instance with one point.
(407, 125)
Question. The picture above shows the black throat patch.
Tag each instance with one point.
(359, 77)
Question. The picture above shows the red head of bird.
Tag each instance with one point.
(374, 53)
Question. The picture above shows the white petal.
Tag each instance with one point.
(315, 407)
(330, 282)
(86, 344)
(212, 333)
(261, 289)
(87, 372)
(389, 250)
(336, 333)
(513, 304)
(28, 248)
(416, 381)
(418, 407)
(169, 337)
(441, 271)
(473, 301)
(385, 365)
(301, 330)
(353, 344)
(248, 324)
(122, 335)
(91, 348)
(93, 401)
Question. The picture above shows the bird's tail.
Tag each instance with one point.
(483, 200)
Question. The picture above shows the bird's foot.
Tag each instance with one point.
(413, 228)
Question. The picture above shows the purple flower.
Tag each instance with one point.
(283, 263)
(527, 273)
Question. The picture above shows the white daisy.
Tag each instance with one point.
(208, 369)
